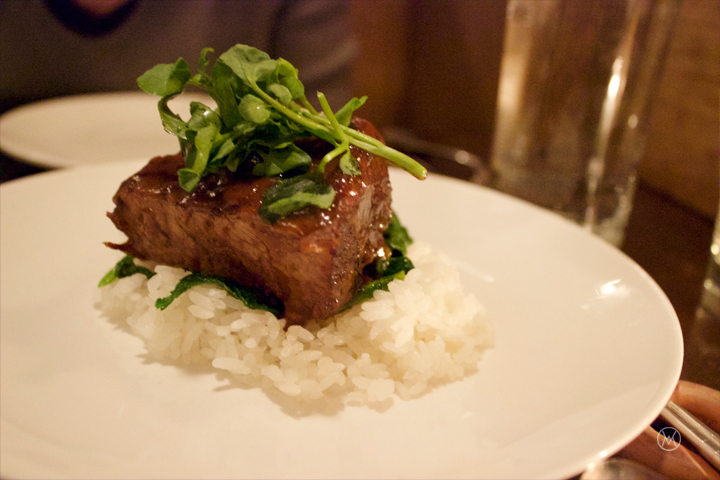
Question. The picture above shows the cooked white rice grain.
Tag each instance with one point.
(422, 332)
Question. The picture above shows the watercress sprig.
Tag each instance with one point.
(261, 111)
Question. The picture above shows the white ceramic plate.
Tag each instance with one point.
(588, 351)
(93, 128)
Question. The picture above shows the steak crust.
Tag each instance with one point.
(311, 259)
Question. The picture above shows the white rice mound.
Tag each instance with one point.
(421, 333)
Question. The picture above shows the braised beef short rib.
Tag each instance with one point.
(311, 259)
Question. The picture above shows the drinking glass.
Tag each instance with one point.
(577, 84)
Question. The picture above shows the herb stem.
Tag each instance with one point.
(305, 122)
(317, 124)
(401, 160)
(337, 130)
(308, 105)
(376, 147)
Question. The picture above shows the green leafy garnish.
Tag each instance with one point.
(383, 267)
(281, 160)
(386, 269)
(293, 194)
(396, 236)
(124, 268)
(367, 292)
(166, 79)
(261, 111)
(251, 298)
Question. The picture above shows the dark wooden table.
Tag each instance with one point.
(669, 241)
(672, 243)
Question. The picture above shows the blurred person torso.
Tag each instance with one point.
(51, 48)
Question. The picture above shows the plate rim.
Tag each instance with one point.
(24, 154)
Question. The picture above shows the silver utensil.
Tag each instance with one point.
(620, 469)
(407, 142)
(705, 440)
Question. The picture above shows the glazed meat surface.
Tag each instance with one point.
(311, 259)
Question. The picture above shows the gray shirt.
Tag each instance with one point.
(41, 57)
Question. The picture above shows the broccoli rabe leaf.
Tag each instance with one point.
(251, 298)
(386, 269)
(124, 268)
(367, 292)
(396, 235)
